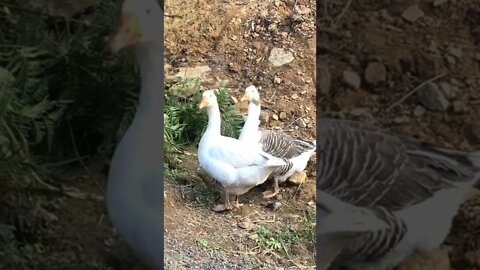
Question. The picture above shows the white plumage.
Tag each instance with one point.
(238, 166)
(295, 152)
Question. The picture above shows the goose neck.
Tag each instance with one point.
(150, 60)
(214, 120)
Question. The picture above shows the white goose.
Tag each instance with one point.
(238, 166)
(135, 187)
(382, 197)
(295, 151)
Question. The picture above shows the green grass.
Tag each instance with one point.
(205, 245)
(282, 239)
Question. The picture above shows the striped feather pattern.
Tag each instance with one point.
(379, 242)
(284, 146)
(366, 166)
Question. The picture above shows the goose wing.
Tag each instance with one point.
(367, 166)
(237, 153)
(280, 144)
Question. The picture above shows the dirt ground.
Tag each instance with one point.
(372, 54)
(234, 39)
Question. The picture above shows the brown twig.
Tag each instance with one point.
(415, 90)
(339, 17)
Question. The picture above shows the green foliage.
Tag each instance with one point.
(62, 95)
(281, 240)
(185, 123)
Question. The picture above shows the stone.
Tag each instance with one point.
(455, 51)
(437, 259)
(419, 111)
(459, 106)
(279, 57)
(450, 91)
(283, 115)
(191, 72)
(325, 79)
(298, 178)
(352, 79)
(264, 117)
(375, 73)
(401, 119)
(359, 112)
(412, 13)
(277, 80)
(275, 117)
(301, 123)
(432, 98)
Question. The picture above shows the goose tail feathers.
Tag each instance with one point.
(337, 217)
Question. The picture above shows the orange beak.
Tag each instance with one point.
(128, 33)
(203, 103)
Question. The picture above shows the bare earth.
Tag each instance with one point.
(393, 47)
(235, 38)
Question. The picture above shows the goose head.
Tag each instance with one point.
(252, 95)
(139, 24)
(209, 99)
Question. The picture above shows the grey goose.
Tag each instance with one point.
(296, 152)
(382, 197)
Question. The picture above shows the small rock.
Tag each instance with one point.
(273, 27)
(191, 72)
(437, 259)
(359, 112)
(448, 90)
(419, 111)
(352, 79)
(459, 106)
(432, 98)
(301, 123)
(437, 3)
(455, 51)
(325, 79)
(279, 57)
(263, 14)
(302, 10)
(433, 46)
(375, 73)
(283, 115)
(277, 205)
(352, 60)
(401, 119)
(264, 117)
(247, 225)
(275, 117)
(277, 80)
(233, 100)
(296, 17)
(386, 16)
(412, 13)
(450, 59)
(298, 178)
(294, 96)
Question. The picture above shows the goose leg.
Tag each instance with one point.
(276, 189)
(237, 204)
(226, 205)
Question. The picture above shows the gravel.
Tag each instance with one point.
(191, 257)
